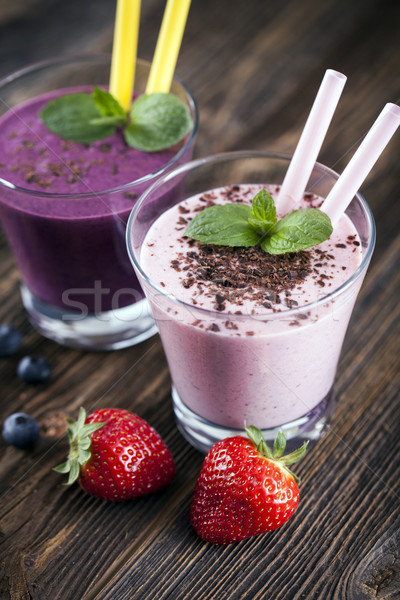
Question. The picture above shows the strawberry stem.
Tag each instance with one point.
(256, 437)
(79, 435)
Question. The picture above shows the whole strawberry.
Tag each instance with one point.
(116, 455)
(244, 489)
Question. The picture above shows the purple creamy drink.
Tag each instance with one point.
(249, 337)
(64, 207)
(72, 260)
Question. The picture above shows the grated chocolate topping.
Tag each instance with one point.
(243, 273)
(230, 276)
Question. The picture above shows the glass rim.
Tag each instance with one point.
(242, 154)
(93, 57)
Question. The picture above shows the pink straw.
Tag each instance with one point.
(310, 141)
(362, 162)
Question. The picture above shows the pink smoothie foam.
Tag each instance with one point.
(70, 243)
(246, 341)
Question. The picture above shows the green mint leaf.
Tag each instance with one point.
(158, 121)
(298, 230)
(70, 117)
(109, 107)
(223, 225)
(263, 213)
(114, 121)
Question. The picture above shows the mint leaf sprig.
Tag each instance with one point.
(155, 122)
(234, 224)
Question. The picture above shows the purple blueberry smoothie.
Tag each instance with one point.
(71, 258)
(64, 208)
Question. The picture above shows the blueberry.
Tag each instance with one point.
(34, 369)
(20, 430)
(10, 340)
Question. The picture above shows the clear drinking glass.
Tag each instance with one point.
(280, 377)
(77, 283)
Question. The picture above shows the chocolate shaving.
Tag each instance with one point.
(238, 273)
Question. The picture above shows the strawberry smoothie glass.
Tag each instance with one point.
(67, 231)
(275, 370)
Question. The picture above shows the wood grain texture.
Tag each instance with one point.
(254, 68)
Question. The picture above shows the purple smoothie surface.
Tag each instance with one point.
(32, 157)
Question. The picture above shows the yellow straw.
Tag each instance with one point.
(123, 62)
(168, 45)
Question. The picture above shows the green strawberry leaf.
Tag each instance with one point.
(83, 456)
(158, 121)
(70, 117)
(298, 230)
(263, 213)
(74, 471)
(294, 456)
(279, 445)
(256, 437)
(79, 435)
(224, 225)
(63, 468)
(254, 434)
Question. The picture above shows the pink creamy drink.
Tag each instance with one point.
(230, 369)
(250, 337)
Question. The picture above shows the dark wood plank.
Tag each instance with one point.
(378, 574)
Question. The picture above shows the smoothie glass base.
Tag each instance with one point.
(112, 330)
(202, 434)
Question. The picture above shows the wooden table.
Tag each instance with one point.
(254, 67)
